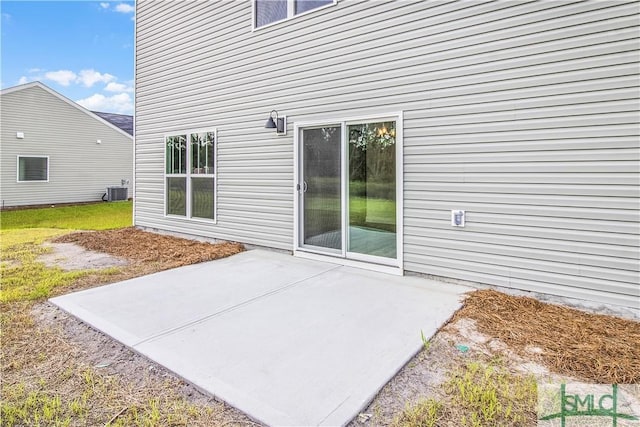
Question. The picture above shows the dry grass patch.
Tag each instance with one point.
(592, 347)
(423, 413)
(477, 393)
(52, 370)
(47, 380)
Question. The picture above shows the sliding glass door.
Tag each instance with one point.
(348, 190)
(321, 188)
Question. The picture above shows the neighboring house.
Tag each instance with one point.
(52, 150)
(399, 116)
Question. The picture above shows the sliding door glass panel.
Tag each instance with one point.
(321, 211)
(372, 189)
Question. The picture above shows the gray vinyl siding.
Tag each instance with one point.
(524, 114)
(79, 168)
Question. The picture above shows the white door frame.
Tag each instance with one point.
(351, 259)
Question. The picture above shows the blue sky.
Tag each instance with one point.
(81, 49)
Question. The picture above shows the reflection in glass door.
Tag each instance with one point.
(321, 187)
(372, 189)
(348, 208)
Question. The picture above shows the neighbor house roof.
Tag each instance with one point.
(123, 121)
(68, 101)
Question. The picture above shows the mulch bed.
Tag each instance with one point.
(596, 348)
(142, 246)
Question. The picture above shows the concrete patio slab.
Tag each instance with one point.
(136, 310)
(289, 341)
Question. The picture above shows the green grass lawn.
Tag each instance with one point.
(98, 216)
(22, 233)
(362, 210)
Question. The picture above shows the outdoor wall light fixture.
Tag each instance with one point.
(279, 124)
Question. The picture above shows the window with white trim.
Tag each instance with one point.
(190, 174)
(33, 168)
(270, 11)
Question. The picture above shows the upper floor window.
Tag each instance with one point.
(269, 11)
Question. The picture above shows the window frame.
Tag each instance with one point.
(290, 13)
(28, 156)
(188, 175)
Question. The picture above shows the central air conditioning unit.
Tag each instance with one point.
(117, 193)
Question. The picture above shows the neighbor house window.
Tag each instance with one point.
(269, 11)
(33, 168)
(190, 179)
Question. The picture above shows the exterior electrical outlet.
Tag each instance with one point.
(457, 218)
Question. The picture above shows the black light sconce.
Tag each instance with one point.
(280, 123)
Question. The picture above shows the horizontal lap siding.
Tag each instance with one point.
(525, 114)
(545, 162)
(80, 170)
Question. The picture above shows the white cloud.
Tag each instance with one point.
(119, 103)
(118, 87)
(62, 77)
(124, 8)
(6, 17)
(104, 5)
(23, 80)
(91, 77)
(87, 78)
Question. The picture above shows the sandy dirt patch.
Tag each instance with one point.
(70, 256)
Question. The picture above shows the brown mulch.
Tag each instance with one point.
(143, 246)
(593, 347)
